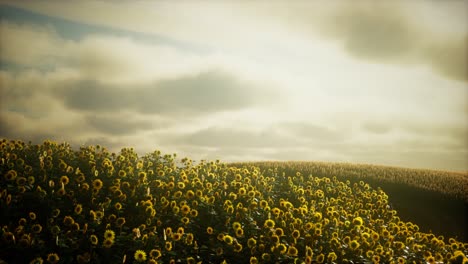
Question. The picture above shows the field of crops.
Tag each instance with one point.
(60, 205)
(436, 200)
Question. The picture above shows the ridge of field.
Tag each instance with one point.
(436, 200)
(451, 183)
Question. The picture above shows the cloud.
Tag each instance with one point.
(373, 34)
(18, 126)
(284, 134)
(16, 46)
(118, 60)
(311, 132)
(404, 33)
(391, 32)
(120, 124)
(438, 133)
(448, 57)
(190, 95)
(230, 137)
(99, 56)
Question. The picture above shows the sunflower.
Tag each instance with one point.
(189, 239)
(118, 206)
(228, 239)
(36, 228)
(236, 225)
(99, 214)
(209, 230)
(320, 258)
(21, 181)
(64, 180)
(93, 239)
(55, 230)
(155, 253)
(331, 257)
(97, 184)
(32, 216)
(78, 209)
(296, 234)
(181, 230)
(266, 257)
(176, 236)
(68, 220)
(11, 175)
(251, 242)
(168, 245)
(22, 221)
(189, 194)
(185, 209)
(31, 180)
(193, 213)
(269, 223)
(275, 239)
(253, 260)
(318, 232)
(109, 234)
(108, 243)
(292, 251)
(185, 220)
(239, 232)
(142, 176)
(61, 192)
(53, 258)
(140, 255)
(237, 247)
(353, 244)
(191, 260)
(282, 249)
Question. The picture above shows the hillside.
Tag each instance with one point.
(436, 200)
(60, 205)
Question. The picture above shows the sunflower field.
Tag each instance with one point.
(436, 200)
(60, 205)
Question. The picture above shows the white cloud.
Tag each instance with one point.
(29, 45)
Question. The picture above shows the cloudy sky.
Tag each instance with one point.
(381, 82)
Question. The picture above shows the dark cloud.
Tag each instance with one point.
(202, 93)
(92, 96)
(382, 32)
(13, 126)
(449, 58)
(117, 124)
(374, 35)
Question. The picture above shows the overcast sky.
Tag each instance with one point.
(381, 82)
